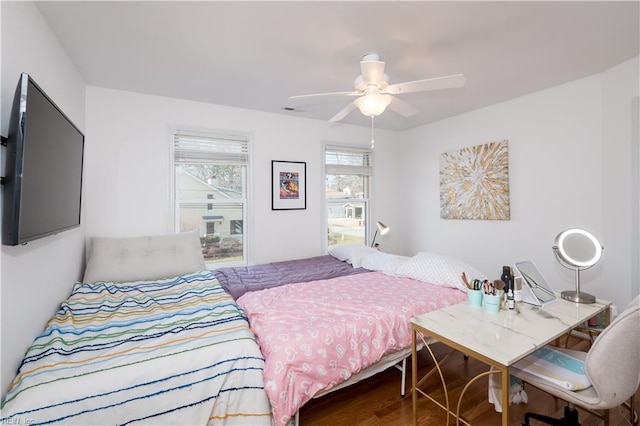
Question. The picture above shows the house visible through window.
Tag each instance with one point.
(210, 187)
(348, 181)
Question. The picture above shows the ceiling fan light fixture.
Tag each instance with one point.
(373, 104)
(374, 93)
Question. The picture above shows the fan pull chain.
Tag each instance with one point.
(373, 142)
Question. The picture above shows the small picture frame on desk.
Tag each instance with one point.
(288, 185)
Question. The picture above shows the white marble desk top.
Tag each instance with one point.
(506, 336)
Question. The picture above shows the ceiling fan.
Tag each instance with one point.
(374, 93)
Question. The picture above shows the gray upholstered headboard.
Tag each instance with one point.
(143, 258)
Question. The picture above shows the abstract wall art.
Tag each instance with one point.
(474, 182)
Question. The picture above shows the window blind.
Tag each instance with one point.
(195, 147)
(348, 161)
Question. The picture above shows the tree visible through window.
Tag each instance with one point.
(210, 187)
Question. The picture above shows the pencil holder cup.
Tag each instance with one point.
(474, 297)
(491, 303)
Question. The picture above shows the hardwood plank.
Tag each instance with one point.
(377, 400)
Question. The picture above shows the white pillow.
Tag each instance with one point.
(384, 262)
(352, 253)
(143, 258)
(438, 269)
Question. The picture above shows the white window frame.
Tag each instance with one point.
(247, 216)
(366, 170)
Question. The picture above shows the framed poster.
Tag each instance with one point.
(288, 185)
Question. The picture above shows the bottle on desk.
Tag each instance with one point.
(517, 291)
(508, 280)
(511, 302)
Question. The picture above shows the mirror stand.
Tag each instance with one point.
(576, 295)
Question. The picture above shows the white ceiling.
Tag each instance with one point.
(256, 54)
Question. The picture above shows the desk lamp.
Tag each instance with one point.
(383, 230)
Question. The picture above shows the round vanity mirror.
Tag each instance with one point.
(577, 249)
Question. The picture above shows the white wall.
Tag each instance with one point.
(569, 166)
(47, 267)
(128, 154)
(620, 85)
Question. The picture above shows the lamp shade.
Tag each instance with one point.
(382, 228)
(373, 104)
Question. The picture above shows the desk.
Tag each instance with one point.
(498, 340)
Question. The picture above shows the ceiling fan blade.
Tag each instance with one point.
(438, 83)
(328, 95)
(343, 113)
(372, 71)
(401, 107)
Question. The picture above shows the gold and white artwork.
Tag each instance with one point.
(474, 182)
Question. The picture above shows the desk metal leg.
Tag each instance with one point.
(437, 369)
(469, 383)
(505, 395)
(415, 384)
(414, 376)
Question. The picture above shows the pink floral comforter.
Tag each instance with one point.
(317, 334)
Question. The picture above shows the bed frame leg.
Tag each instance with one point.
(403, 383)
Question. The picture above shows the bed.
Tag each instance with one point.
(148, 337)
(318, 336)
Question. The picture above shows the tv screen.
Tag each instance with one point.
(44, 159)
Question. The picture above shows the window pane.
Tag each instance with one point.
(346, 209)
(346, 222)
(345, 186)
(220, 230)
(210, 181)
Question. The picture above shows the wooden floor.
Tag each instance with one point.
(377, 400)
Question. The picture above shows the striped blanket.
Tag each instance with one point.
(175, 351)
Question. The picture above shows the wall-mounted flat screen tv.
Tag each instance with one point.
(43, 172)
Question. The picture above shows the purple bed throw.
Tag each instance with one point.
(239, 280)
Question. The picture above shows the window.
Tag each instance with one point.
(236, 227)
(348, 186)
(210, 193)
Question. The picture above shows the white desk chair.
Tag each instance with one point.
(612, 365)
